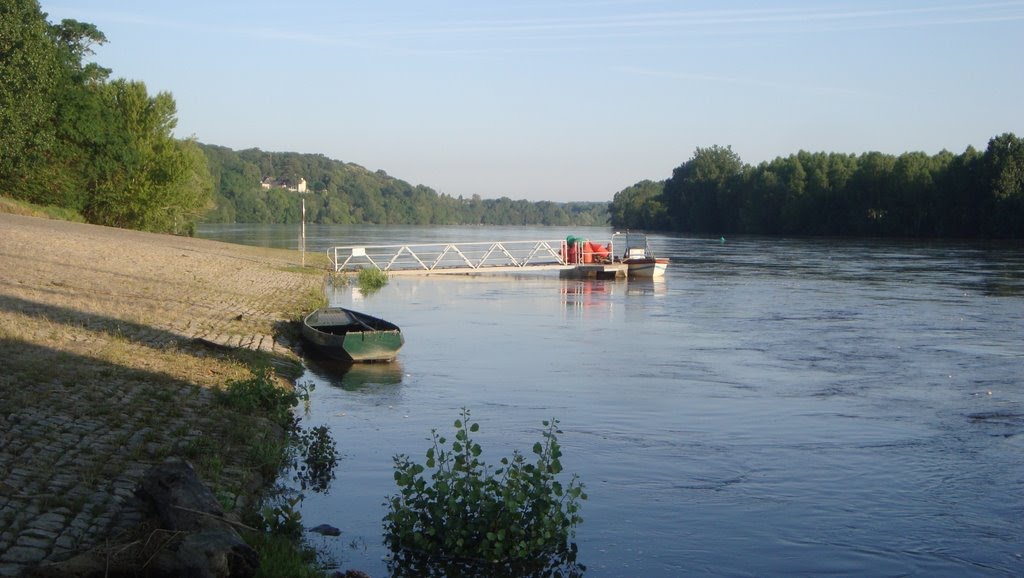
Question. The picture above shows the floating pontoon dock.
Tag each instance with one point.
(471, 258)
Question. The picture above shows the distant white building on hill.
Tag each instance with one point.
(272, 183)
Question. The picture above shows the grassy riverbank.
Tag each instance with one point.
(112, 343)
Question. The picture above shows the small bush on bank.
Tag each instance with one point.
(277, 525)
(371, 279)
(464, 511)
(279, 556)
(259, 394)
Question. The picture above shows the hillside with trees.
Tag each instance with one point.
(970, 195)
(346, 193)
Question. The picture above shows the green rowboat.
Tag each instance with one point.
(351, 335)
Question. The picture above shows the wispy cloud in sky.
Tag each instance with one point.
(745, 81)
(574, 22)
(728, 21)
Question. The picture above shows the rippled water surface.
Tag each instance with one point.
(773, 407)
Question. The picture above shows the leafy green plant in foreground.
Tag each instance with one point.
(466, 511)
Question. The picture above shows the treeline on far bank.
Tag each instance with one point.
(970, 195)
(254, 186)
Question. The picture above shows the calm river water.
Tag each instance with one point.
(773, 407)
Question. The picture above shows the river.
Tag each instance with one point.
(772, 407)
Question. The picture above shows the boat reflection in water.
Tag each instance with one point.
(646, 286)
(354, 376)
(586, 292)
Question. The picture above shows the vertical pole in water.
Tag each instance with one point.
(302, 240)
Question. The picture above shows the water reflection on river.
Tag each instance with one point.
(773, 407)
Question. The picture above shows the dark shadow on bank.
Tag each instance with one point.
(38, 370)
(73, 404)
(73, 391)
(147, 335)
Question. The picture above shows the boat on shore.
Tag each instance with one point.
(353, 336)
(637, 256)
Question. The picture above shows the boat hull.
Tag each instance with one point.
(352, 336)
(646, 268)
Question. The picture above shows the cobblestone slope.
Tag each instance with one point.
(106, 366)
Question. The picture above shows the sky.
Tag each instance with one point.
(569, 100)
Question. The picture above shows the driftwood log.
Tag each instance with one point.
(197, 541)
(210, 547)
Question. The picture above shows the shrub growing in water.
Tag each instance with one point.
(371, 279)
(467, 512)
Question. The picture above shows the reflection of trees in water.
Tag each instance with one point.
(317, 457)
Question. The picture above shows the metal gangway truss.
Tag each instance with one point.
(453, 258)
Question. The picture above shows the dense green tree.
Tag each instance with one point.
(251, 207)
(1004, 166)
(29, 66)
(81, 119)
(872, 193)
(967, 201)
(761, 207)
(910, 195)
(71, 138)
(188, 194)
(702, 188)
(832, 204)
(640, 206)
(913, 190)
(143, 175)
(1004, 171)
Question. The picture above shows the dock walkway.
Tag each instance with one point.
(471, 258)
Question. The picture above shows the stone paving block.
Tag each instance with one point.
(31, 541)
(50, 522)
(39, 534)
(23, 555)
(65, 543)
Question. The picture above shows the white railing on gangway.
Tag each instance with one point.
(438, 257)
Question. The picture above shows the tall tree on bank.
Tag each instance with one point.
(71, 138)
(79, 119)
(640, 206)
(143, 177)
(1004, 170)
(702, 191)
(28, 69)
